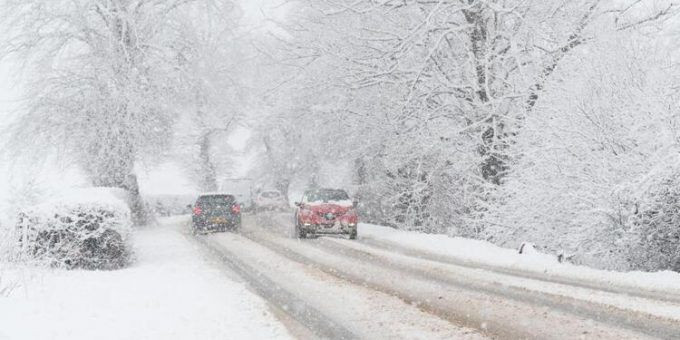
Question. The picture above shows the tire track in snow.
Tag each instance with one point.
(367, 313)
(637, 321)
(494, 315)
(555, 278)
(307, 315)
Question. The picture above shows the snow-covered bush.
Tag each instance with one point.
(653, 242)
(427, 194)
(86, 229)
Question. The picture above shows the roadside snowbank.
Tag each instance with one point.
(484, 253)
(171, 292)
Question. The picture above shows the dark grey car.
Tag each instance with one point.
(216, 212)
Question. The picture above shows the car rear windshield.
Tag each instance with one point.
(215, 200)
(327, 195)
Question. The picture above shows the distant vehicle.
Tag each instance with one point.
(269, 200)
(326, 211)
(241, 188)
(216, 212)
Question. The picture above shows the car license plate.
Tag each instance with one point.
(218, 220)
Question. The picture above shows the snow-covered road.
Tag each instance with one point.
(262, 283)
(330, 306)
(360, 289)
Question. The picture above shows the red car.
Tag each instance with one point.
(326, 211)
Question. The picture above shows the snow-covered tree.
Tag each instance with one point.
(106, 81)
(596, 161)
(426, 98)
(216, 73)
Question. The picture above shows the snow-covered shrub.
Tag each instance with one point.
(87, 229)
(428, 193)
(653, 242)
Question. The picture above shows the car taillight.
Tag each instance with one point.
(197, 211)
(236, 209)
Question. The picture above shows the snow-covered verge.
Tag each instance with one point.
(170, 292)
(484, 253)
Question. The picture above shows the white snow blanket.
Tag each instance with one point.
(170, 292)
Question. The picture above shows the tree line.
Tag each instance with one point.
(551, 122)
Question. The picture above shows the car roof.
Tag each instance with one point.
(324, 189)
(215, 195)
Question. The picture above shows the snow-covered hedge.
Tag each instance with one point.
(653, 239)
(87, 228)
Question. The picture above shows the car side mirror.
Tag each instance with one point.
(298, 204)
(355, 203)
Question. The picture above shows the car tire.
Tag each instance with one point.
(299, 233)
(353, 235)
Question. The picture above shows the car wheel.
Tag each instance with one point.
(353, 234)
(299, 233)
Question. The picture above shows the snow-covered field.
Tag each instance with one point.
(171, 292)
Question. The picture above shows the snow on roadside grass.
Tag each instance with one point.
(171, 292)
(485, 253)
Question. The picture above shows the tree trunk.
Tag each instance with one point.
(140, 215)
(114, 168)
(207, 173)
(493, 166)
(129, 183)
(283, 186)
